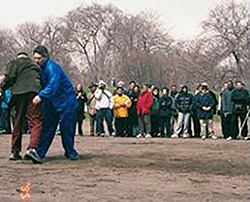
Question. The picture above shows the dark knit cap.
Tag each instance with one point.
(185, 86)
(42, 50)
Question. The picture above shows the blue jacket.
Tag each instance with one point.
(57, 88)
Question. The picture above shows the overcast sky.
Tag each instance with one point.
(181, 17)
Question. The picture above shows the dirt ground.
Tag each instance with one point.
(130, 169)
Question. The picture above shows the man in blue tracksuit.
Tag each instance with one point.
(60, 106)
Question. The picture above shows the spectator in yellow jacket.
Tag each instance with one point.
(121, 105)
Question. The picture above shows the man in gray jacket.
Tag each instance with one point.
(225, 108)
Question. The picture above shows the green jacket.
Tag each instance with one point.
(23, 75)
(155, 107)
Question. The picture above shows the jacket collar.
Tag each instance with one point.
(45, 63)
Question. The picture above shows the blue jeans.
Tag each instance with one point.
(67, 122)
(100, 115)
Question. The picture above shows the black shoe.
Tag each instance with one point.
(15, 156)
(26, 156)
(73, 157)
(34, 156)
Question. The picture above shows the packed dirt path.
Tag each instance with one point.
(129, 169)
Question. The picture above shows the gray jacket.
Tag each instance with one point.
(226, 103)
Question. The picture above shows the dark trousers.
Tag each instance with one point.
(226, 121)
(132, 122)
(154, 121)
(235, 125)
(79, 125)
(120, 127)
(25, 107)
(66, 119)
(190, 131)
(197, 126)
(5, 119)
(165, 126)
(107, 115)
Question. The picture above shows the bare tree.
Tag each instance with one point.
(29, 35)
(228, 28)
(142, 49)
(8, 48)
(101, 42)
(91, 30)
(52, 33)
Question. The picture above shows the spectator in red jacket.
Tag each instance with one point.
(144, 105)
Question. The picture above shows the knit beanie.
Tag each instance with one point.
(42, 50)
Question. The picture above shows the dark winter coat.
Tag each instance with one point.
(81, 99)
(23, 75)
(132, 96)
(195, 106)
(205, 100)
(240, 100)
(165, 110)
(183, 102)
(132, 110)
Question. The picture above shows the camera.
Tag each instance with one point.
(102, 87)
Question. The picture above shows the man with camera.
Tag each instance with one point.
(104, 106)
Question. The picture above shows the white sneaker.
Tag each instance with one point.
(203, 137)
(174, 136)
(247, 138)
(229, 138)
(102, 135)
(139, 136)
(112, 135)
(185, 136)
(214, 137)
(148, 136)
